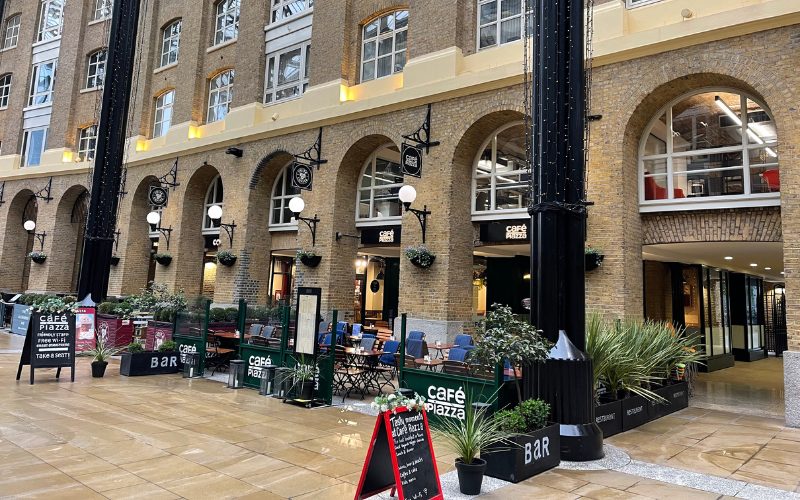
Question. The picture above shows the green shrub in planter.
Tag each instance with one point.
(135, 347)
(106, 308)
(168, 346)
(216, 315)
(231, 314)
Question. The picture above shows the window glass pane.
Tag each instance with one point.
(385, 47)
(488, 36)
(510, 8)
(764, 172)
(401, 19)
(509, 199)
(400, 41)
(511, 30)
(760, 124)
(656, 143)
(399, 62)
(384, 66)
(655, 188)
(369, 51)
(386, 202)
(387, 23)
(368, 71)
(704, 121)
(271, 73)
(289, 67)
(371, 30)
(287, 93)
(488, 12)
(655, 166)
(699, 184)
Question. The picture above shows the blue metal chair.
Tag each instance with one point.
(415, 335)
(416, 348)
(341, 327)
(368, 336)
(457, 354)
(464, 341)
(390, 348)
(356, 329)
(326, 340)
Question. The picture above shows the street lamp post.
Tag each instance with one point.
(407, 195)
(215, 213)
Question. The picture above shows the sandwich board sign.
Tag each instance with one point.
(400, 457)
(49, 343)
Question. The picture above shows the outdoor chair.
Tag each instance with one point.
(347, 378)
(416, 348)
(255, 329)
(341, 328)
(326, 342)
(457, 354)
(356, 329)
(455, 367)
(217, 357)
(464, 341)
(390, 348)
(415, 335)
(367, 343)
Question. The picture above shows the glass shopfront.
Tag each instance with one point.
(501, 266)
(282, 277)
(376, 290)
(716, 312)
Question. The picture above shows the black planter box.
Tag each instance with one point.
(592, 261)
(530, 454)
(608, 417)
(636, 411)
(677, 396)
(149, 363)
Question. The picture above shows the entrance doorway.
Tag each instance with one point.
(282, 276)
(377, 287)
(500, 275)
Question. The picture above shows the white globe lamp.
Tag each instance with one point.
(215, 212)
(296, 205)
(407, 195)
(29, 225)
(153, 218)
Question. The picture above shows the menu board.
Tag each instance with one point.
(308, 305)
(84, 329)
(49, 343)
(401, 457)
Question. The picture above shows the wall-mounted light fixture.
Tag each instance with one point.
(29, 226)
(215, 213)
(154, 219)
(237, 152)
(296, 205)
(407, 196)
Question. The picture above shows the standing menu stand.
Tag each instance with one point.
(400, 457)
(305, 336)
(49, 343)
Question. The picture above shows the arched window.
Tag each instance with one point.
(709, 146)
(227, 21)
(379, 185)
(5, 90)
(282, 192)
(214, 196)
(220, 96)
(87, 143)
(500, 176)
(96, 69)
(12, 32)
(170, 43)
(383, 50)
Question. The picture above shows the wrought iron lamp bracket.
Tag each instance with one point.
(422, 136)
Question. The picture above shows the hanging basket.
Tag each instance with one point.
(164, 260)
(39, 259)
(311, 261)
(423, 265)
(593, 260)
(226, 260)
(114, 260)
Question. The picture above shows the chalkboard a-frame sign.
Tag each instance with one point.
(49, 343)
(400, 457)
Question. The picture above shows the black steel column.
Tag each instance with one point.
(558, 219)
(101, 223)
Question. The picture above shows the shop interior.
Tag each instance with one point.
(376, 289)
(500, 275)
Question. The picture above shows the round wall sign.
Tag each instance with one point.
(302, 176)
(411, 159)
(375, 286)
(158, 196)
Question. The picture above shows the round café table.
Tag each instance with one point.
(440, 348)
(431, 365)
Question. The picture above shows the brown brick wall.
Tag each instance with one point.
(753, 224)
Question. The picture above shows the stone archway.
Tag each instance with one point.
(15, 265)
(66, 241)
(136, 257)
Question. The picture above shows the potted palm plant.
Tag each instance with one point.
(303, 376)
(100, 354)
(467, 437)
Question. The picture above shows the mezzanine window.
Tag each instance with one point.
(500, 176)
(12, 32)
(51, 19)
(102, 9)
(384, 46)
(284, 9)
(87, 143)
(214, 196)
(170, 43)
(220, 96)
(282, 192)
(379, 186)
(287, 73)
(42, 81)
(499, 22)
(163, 115)
(5, 90)
(96, 69)
(227, 21)
(33, 141)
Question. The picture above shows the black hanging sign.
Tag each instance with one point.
(400, 457)
(411, 159)
(49, 343)
(381, 235)
(158, 196)
(507, 231)
(302, 176)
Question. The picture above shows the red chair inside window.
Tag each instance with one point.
(652, 191)
(773, 179)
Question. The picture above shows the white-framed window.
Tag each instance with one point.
(499, 22)
(227, 21)
(33, 141)
(170, 43)
(42, 81)
(162, 119)
(220, 96)
(707, 147)
(638, 3)
(384, 48)
(283, 9)
(214, 196)
(282, 192)
(87, 143)
(379, 185)
(51, 19)
(102, 9)
(5, 90)
(287, 73)
(500, 176)
(96, 69)
(12, 32)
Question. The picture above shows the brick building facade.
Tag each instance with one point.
(284, 93)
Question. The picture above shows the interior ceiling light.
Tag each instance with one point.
(728, 258)
(750, 133)
(768, 269)
(754, 265)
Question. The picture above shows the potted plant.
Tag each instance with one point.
(302, 375)
(420, 256)
(502, 337)
(467, 437)
(226, 258)
(38, 257)
(114, 260)
(113, 322)
(138, 361)
(100, 354)
(593, 258)
(309, 258)
(535, 443)
(163, 258)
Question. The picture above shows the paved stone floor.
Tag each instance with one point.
(754, 388)
(168, 437)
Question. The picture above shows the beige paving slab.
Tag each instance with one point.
(523, 490)
(125, 452)
(250, 464)
(560, 479)
(341, 491)
(779, 475)
(706, 463)
(109, 479)
(212, 485)
(146, 491)
(598, 491)
(292, 481)
(163, 469)
(610, 478)
(77, 465)
(658, 489)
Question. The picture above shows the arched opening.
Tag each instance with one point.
(18, 243)
(80, 211)
(67, 241)
(141, 240)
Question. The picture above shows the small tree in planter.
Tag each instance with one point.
(163, 258)
(309, 258)
(38, 257)
(503, 337)
(303, 379)
(535, 443)
(226, 258)
(467, 438)
(593, 258)
(420, 256)
(100, 354)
